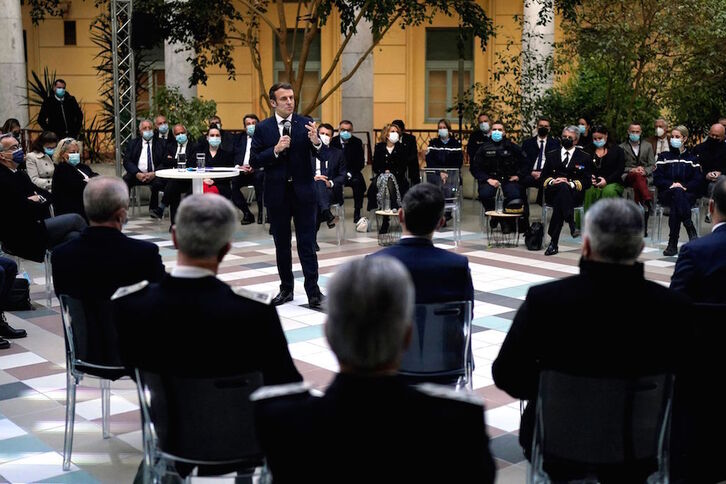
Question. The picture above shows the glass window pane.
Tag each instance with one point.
(437, 110)
(441, 44)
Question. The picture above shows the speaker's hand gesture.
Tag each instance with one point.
(313, 133)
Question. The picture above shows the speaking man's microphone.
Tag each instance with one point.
(286, 127)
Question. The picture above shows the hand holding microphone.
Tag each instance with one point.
(284, 143)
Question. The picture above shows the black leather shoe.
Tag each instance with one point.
(247, 219)
(552, 249)
(573, 230)
(317, 247)
(4, 344)
(356, 216)
(259, 218)
(156, 213)
(316, 301)
(7, 331)
(282, 298)
(691, 231)
(671, 250)
(329, 218)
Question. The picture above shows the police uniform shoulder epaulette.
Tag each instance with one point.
(262, 297)
(441, 391)
(274, 391)
(126, 290)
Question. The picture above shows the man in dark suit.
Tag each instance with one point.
(408, 141)
(181, 148)
(164, 135)
(60, 113)
(566, 326)
(352, 148)
(438, 275)
(535, 149)
(156, 322)
(701, 267)
(247, 176)
(103, 259)
(329, 177)
(567, 174)
(368, 414)
(142, 157)
(284, 145)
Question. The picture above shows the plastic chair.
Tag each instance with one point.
(661, 211)
(198, 422)
(452, 193)
(440, 349)
(46, 266)
(91, 349)
(587, 425)
(338, 209)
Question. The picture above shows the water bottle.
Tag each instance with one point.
(499, 201)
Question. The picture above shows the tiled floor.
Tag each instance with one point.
(32, 375)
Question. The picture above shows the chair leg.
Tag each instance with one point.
(70, 420)
(658, 226)
(48, 279)
(105, 407)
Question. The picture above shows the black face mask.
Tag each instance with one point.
(567, 143)
(543, 131)
(712, 142)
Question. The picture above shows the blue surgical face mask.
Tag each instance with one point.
(181, 138)
(345, 134)
(74, 158)
(49, 151)
(497, 136)
(443, 133)
(599, 143)
(484, 127)
(147, 135)
(60, 91)
(251, 130)
(634, 137)
(581, 128)
(676, 143)
(163, 128)
(215, 142)
(18, 156)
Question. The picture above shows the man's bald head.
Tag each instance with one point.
(106, 200)
(717, 132)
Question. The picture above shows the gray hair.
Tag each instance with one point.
(146, 120)
(204, 225)
(63, 146)
(103, 197)
(572, 129)
(370, 309)
(2, 137)
(614, 227)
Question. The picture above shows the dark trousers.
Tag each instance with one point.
(303, 215)
(156, 184)
(358, 184)
(530, 182)
(640, 187)
(172, 195)
(563, 201)
(680, 203)
(256, 179)
(324, 196)
(488, 194)
(8, 271)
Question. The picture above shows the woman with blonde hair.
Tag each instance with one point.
(70, 178)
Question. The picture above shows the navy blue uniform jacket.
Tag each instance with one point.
(701, 268)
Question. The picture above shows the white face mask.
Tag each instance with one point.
(659, 132)
(325, 139)
(393, 137)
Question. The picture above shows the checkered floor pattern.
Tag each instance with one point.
(32, 375)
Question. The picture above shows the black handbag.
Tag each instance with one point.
(19, 297)
(534, 236)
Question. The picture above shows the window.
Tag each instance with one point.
(69, 32)
(311, 78)
(442, 71)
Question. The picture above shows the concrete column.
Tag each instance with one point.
(357, 93)
(177, 70)
(537, 44)
(13, 80)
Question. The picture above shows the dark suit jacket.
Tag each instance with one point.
(530, 147)
(395, 161)
(133, 151)
(353, 152)
(22, 231)
(159, 328)
(409, 435)
(68, 186)
(578, 169)
(335, 170)
(701, 268)
(411, 153)
(100, 261)
(579, 325)
(439, 275)
(294, 163)
(190, 152)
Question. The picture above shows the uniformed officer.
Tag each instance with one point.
(369, 421)
(500, 163)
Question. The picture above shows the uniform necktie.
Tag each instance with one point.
(566, 161)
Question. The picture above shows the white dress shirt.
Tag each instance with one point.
(280, 119)
(571, 152)
(661, 145)
(635, 148)
(181, 149)
(246, 161)
(143, 161)
(190, 272)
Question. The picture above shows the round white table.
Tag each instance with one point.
(197, 177)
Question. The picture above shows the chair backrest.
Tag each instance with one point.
(440, 343)
(451, 187)
(90, 333)
(200, 420)
(595, 421)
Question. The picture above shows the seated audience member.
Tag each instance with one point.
(411, 149)
(609, 271)
(142, 157)
(368, 414)
(229, 140)
(103, 259)
(70, 178)
(157, 320)
(584, 128)
(183, 149)
(444, 151)
(608, 164)
(679, 181)
(26, 228)
(352, 148)
(659, 142)
(39, 162)
(216, 157)
(389, 156)
(8, 271)
(639, 166)
(329, 176)
(566, 176)
(479, 136)
(438, 275)
(161, 132)
(701, 267)
(711, 155)
(500, 163)
(12, 126)
(248, 176)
